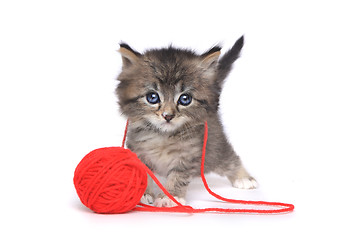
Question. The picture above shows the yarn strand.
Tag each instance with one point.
(125, 133)
(287, 207)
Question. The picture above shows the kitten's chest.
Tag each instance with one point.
(162, 152)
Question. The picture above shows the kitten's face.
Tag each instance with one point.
(168, 88)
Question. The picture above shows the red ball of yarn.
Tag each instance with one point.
(110, 180)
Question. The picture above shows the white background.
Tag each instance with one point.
(290, 107)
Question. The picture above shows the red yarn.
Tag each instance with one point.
(110, 180)
(113, 180)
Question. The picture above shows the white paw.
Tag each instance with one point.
(167, 202)
(246, 183)
(147, 199)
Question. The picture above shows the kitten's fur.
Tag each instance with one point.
(166, 134)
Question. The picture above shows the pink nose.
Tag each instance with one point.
(167, 116)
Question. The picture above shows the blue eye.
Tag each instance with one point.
(153, 98)
(185, 99)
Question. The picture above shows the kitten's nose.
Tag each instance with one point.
(167, 116)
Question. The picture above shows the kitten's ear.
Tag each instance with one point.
(210, 58)
(129, 56)
(209, 61)
(225, 63)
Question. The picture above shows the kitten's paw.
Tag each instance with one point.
(167, 202)
(245, 183)
(147, 199)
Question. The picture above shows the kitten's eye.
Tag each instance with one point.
(153, 98)
(185, 99)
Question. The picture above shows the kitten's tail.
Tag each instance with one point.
(225, 63)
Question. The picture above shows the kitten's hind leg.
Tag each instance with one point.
(242, 179)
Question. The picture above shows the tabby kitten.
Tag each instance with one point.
(167, 94)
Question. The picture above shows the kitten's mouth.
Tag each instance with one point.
(166, 126)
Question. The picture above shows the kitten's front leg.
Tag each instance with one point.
(148, 197)
(176, 185)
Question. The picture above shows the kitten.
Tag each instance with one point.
(167, 94)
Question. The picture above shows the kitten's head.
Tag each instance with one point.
(168, 88)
